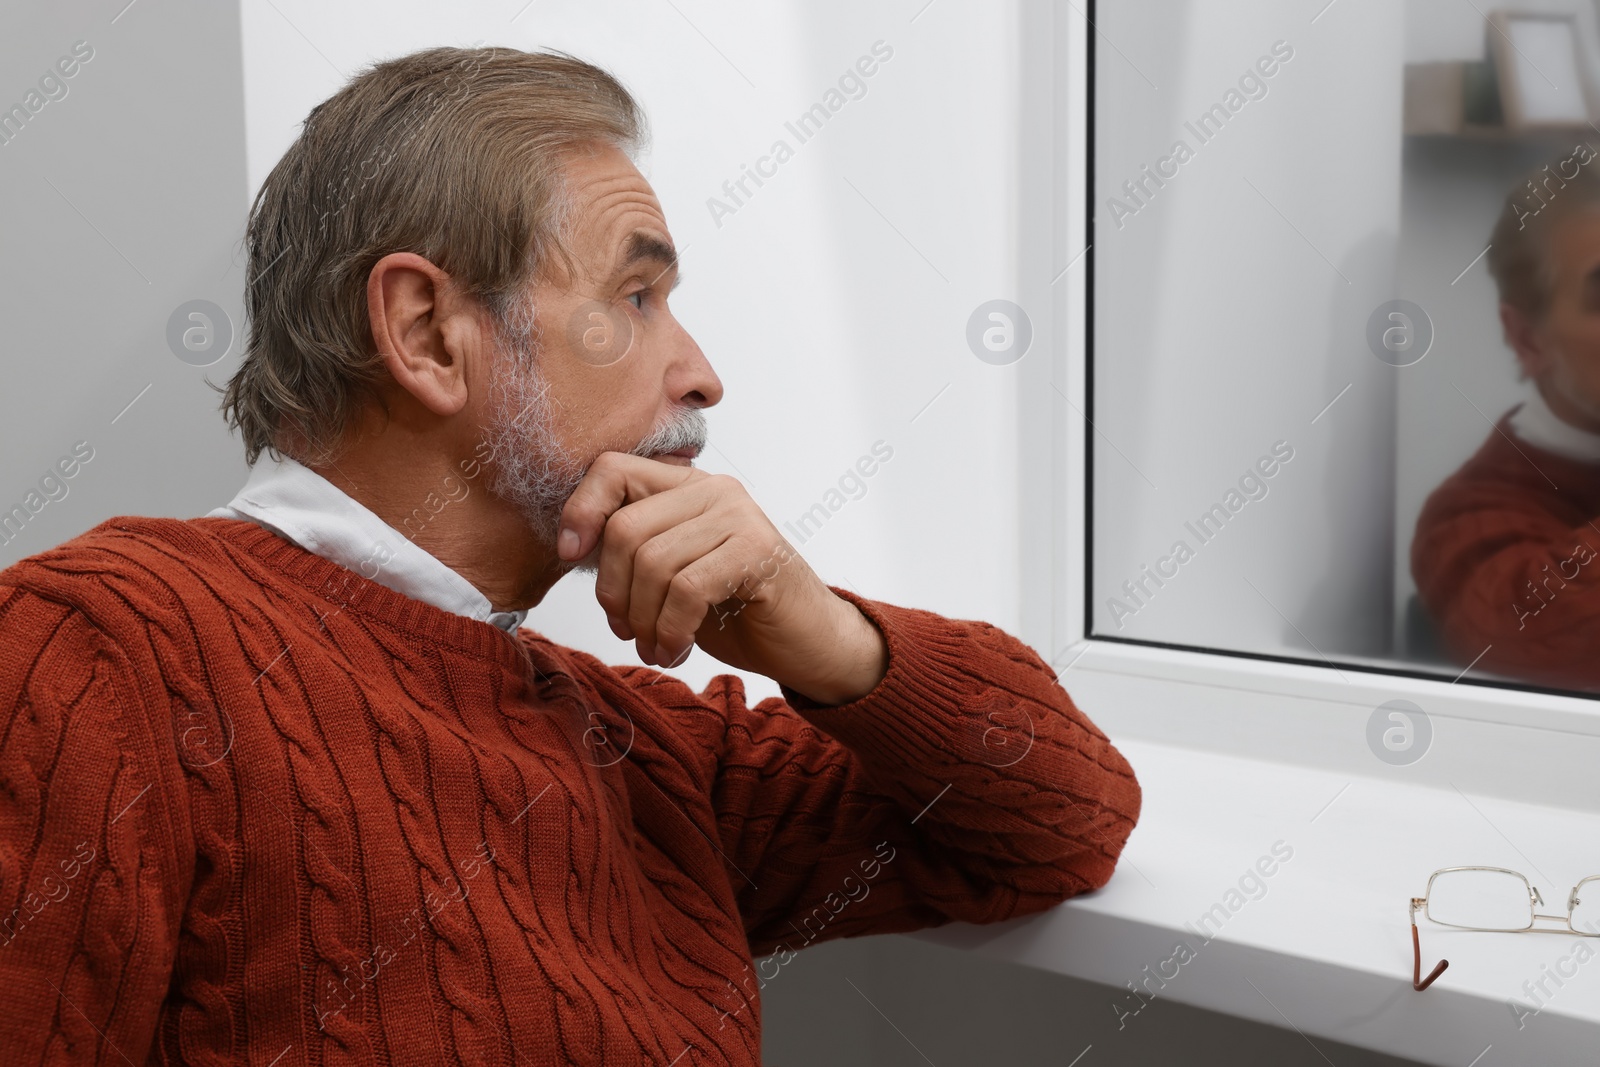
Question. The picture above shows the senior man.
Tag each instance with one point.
(289, 784)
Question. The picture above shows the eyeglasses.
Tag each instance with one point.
(1496, 900)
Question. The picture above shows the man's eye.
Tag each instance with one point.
(638, 299)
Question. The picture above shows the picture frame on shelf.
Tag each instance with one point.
(1541, 71)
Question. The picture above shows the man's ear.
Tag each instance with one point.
(1523, 338)
(409, 301)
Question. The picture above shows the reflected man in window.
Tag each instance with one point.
(1507, 550)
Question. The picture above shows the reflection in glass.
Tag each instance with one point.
(1505, 549)
(1345, 277)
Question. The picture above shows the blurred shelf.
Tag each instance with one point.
(1553, 134)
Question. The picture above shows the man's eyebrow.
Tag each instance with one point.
(647, 247)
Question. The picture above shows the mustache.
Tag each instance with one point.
(686, 431)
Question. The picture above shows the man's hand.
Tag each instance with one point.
(687, 558)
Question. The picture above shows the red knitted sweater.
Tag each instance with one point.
(257, 808)
(1507, 558)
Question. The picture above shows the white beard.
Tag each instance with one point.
(533, 470)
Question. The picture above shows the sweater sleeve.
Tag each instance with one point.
(966, 786)
(91, 876)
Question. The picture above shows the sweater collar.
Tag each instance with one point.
(1536, 424)
(299, 504)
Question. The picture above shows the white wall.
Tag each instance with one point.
(123, 200)
(830, 329)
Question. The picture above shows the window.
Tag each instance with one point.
(1313, 431)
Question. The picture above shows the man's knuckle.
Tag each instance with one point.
(651, 556)
(622, 528)
(686, 586)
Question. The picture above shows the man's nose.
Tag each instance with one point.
(690, 379)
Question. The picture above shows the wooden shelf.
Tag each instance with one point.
(1559, 134)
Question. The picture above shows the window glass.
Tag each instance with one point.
(1345, 346)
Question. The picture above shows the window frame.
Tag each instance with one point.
(1169, 692)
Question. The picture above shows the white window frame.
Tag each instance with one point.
(1263, 707)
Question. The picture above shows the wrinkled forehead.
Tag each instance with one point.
(613, 210)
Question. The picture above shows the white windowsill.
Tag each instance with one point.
(1533, 747)
(1327, 946)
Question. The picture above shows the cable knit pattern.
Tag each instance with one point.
(255, 807)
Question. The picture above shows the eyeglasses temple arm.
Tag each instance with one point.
(1417, 981)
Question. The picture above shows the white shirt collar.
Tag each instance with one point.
(301, 505)
(1536, 424)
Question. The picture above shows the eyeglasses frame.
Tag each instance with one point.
(1535, 899)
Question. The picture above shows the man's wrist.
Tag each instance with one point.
(853, 663)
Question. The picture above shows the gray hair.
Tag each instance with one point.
(454, 154)
(1519, 252)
